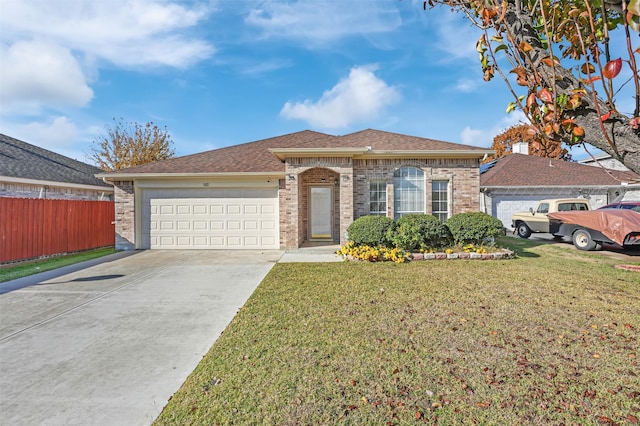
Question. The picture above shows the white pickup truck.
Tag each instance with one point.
(525, 223)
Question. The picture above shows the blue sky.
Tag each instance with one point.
(218, 73)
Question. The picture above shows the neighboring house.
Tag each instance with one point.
(604, 160)
(517, 182)
(290, 190)
(28, 171)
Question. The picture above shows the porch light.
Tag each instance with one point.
(345, 178)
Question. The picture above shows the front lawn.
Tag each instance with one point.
(13, 272)
(549, 338)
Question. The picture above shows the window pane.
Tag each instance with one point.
(408, 191)
(378, 198)
(440, 199)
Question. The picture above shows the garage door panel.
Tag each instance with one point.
(267, 224)
(228, 222)
(233, 209)
(199, 225)
(214, 209)
(251, 209)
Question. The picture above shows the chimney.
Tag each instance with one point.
(521, 147)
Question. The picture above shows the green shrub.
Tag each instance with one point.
(370, 230)
(474, 228)
(415, 231)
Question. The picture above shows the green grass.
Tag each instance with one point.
(551, 337)
(23, 270)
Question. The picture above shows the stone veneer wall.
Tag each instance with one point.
(125, 215)
(23, 190)
(463, 176)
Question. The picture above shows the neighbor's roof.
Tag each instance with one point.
(519, 170)
(260, 156)
(22, 161)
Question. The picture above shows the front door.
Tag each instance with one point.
(321, 213)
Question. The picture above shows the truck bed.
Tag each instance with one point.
(620, 226)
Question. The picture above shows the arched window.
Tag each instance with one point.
(408, 193)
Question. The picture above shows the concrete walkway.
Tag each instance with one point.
(311, 252)
(110, 344)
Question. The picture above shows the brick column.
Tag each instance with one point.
(125, 215)
(346, 202)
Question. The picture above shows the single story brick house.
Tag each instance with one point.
(518, 182)
(289, 190)
(28, 171)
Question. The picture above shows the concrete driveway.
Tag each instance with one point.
(110, 344)
(609, 250)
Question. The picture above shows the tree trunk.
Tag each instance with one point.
(625, 141)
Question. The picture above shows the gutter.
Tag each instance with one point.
(133, 176)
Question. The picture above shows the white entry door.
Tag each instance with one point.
(321, 213)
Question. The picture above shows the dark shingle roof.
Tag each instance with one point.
(255, 157)
(19, 159)
(527, 170)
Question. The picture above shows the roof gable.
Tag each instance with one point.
(19, 159)
(519, 170)
(256, 157)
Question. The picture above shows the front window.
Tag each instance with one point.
(408, 193)
(440, 199)
(378, 198)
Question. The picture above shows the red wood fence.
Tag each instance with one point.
(32, 228)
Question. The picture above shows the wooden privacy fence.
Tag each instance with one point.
(32, 228)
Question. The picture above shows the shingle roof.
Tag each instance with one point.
(526, 170)
(255, 157)
(19, 159)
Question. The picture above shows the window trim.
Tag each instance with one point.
(420, 179)
(381, 188)
(447, 192)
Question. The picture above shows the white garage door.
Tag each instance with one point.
(216, 219)
(505, 206)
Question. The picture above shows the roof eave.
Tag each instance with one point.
(625, 184)
(57, 184)
(439, 153)
(366, 152)
(132, 176)
(284, 153)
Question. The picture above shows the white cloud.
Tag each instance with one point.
(468, 85)
(39, 72)
(455, 37)
(475, 137)
(123, 32)
(359, 97)
(82, 36)
(57, 133)
(319, 22)
(484, 137)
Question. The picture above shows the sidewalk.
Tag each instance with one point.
(312, 252)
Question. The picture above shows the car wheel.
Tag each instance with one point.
(523, 230)
(583, 241)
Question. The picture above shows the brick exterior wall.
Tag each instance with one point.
(349, 179)
(463, 177)
(23, 190)
(125, 215)
(301, 173)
